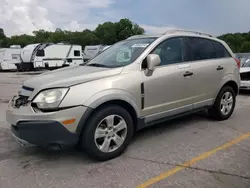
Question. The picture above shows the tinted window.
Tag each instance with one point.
(170, 51)
(69, 60)
(200, 49)
(77, 53)
(40, 53)
(220, 50)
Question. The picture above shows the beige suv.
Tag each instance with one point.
(133, 84)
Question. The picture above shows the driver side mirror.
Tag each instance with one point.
(153, 60)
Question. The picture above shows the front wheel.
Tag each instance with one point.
(107, 133)
(224, 104)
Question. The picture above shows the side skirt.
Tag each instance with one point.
(142, 124)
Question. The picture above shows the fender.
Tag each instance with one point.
(111, 95)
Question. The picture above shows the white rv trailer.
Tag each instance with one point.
(50, 56)
(9, 57)
(58, 55)
(91, 51)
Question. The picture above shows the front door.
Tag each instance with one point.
(167, 91)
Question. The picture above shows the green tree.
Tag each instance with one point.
(58, 36)
(245, 47)
(2, 35)
(106, 32)
(22, 40)
(41, 36)
(237, 41)
(125, 28)
(2, 38)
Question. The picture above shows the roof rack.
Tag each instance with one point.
(189, 31)
(135, 36)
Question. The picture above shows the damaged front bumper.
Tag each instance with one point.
(245, 84)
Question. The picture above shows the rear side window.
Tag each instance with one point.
(200, 49)
(221, 51)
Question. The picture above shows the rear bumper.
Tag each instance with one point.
(44, 133)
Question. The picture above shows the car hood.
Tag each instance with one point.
(244, 69)
(69, 76)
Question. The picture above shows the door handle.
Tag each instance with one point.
(188, 74)
(220, 68)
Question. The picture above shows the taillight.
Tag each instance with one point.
(237, 61)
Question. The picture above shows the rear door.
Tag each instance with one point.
(206, 68)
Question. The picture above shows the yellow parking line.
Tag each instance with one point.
(205, 155)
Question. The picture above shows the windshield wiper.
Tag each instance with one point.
(96, 65)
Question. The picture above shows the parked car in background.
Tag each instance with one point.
(245, 75)
(133, 84)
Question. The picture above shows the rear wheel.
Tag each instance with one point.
(107, 133)
(224, 104)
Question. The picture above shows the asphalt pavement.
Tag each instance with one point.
(193, 151)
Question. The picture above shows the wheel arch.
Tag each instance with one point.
(232, 84)
(230, 80)
(119, 98)
(122, 104)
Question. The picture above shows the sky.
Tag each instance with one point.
(155, 16)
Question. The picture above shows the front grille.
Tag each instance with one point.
(245, 76)
(21, 101)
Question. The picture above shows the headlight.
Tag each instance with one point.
(50, 99)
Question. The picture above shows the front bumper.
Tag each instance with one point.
(43, 133)
(45, 129)
(245, 84)
(26, 113)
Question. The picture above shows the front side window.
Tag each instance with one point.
(122, 53)
(171, 51)
(200, 49)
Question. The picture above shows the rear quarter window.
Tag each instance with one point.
(221, 51)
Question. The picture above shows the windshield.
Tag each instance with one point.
(121, 54)
(246, 63)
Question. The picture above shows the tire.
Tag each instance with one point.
(92, 145)
(216, 111)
